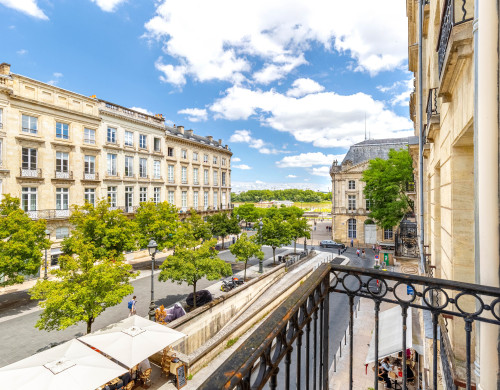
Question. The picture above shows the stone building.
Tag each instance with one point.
(350, 208)
(459, 79)
(59, 148)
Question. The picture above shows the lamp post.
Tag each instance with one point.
(261, 268)
(45, 276)
(152, 251)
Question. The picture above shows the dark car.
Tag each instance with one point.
(331, 244)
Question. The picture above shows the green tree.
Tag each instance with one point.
(157, 221)
(245, 248)
(192, 262)
(200, 230)
(21, 242)
(109, 231)
(386, 182)
(291, 212)
(221, 225)
(300, 228)
(275, 233)
(84, 288)
(247, 212)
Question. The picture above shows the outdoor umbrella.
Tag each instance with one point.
(71, 365)
(132, 340)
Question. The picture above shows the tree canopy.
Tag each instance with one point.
(108, 233)
(21, 242)
(247, 212)
(84, 288)
(157, 221)
(294, 195)
(221, 225)
(275, 233)
(300, 228)
(192, 262)
(386, 183)
(246, 247)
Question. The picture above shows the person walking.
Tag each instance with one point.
(352, 242)
(363, 253)
(131, 306)
(357, 252)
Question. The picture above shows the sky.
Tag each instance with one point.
(289, 85)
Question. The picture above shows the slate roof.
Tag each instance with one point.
(376, 148)
(194, 137)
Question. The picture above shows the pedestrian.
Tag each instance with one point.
(363, 253)
(373, 247)
(357, 252)
(131, 306)
(352, 242)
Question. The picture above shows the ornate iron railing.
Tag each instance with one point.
(432, 108)
(269, 348)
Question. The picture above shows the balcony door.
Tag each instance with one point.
(29, 163)
(29, 201)
(129, 198)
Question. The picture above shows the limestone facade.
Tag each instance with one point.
(59, 148)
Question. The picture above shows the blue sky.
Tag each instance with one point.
(286, 83)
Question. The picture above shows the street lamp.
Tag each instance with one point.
(45, 276)
(261, 268)
(152, 251)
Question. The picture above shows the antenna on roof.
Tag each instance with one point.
(365, 125)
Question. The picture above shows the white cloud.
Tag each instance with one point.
(224, 39)
(236, 159)
(325, 119)
(143, 110)
(302, 87)
(242, 166)
(108, 5)
(22, 52)
(195, 114)
(321, 171)
(245, 136)
(307, 160)
(291, 176)
(57, 76)
(240, 186)
(399, 90)
(29, 7)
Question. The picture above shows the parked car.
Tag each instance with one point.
(331, 244)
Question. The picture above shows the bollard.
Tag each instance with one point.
(340, 349)
(335, 363)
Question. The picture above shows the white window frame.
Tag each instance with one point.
(184, 154)
(112, 190)
(32, 124)
(216, 200)
(62, 232)
(62, 198)
(205, 199)
(111, 135)
(195, 156)
(30, 164)
(351, 202)
(111, 164)
(216, 178)
(128, 138)
(29, 198)
(388, 234)
(62, 130)
(205, 177)
(184, 175)
(351, 185)
(89, 195)
(205, 158)
(184, 199)
(143, 194)
(195, 199)
(89, 136)
(62, 162)
(351, 228)
(129, 166)
(157, 169)
(171, 174)
(157, 141)
(157, 195)
(143, 167)
(171, 197)
(143, 141)
(195, 176)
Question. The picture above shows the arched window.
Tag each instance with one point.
(351, 228)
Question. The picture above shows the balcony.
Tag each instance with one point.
(433, 119)
(49, 214)
(454, 43)
(63, 175)
(297, 333)
(30, 174)
(94, 176)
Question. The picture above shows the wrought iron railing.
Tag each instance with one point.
(34, 173)
(49, 214)
(67, 175)
(432, 108)
(266, 355)
(452, 16)
(91, 176)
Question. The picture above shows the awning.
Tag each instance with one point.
(390, 334)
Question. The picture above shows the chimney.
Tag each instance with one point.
(181, 129)
(5, 68)
(220, 141)
(189, 132)
(210, 138)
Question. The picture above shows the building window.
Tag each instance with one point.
(29, 158)
(184, 175)
(195, 156)
(216, 178)
(223, 178)
(89, 136)
(143, 167)
(184, 154)
(157, 169)
(111, 135)
(195, 176)
(129, 138)
(1, 118)
(143, 194)
(129, 198)
(62, 232)
(157, 144)
(223, 200)
(223, 161)
(184, 199)
(62, 162)
(352, 185)
(215, 160)
(157, 195)
(142, 141)
(351, 228)
(90, 196)
(388, 235)
(62, 130)
(205, 158)
(205, 177)
(170, 152)
(29, 198)
(368, 204)
(129, 166)
(215, 200)
(1, 151)
(30, 124)
(112, 196)
(195, 199)
(171, 197)
(111, 164)
(205, 199)
(170, 173)
(351, 202)
(62, 198)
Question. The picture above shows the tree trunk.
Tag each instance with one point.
(90, 321)
(245, 273)
(274, 255)
(194, 295)
(222, 242)
(294, 246)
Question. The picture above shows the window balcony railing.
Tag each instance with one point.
(49, 214)
(297, 333)
(452, 16)
(91, 176)
(432, 108)
(64, 175)
(35, 173)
